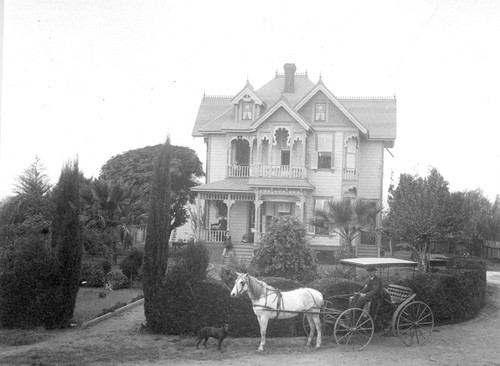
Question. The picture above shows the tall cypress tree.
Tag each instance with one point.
(156, 248)
(67, 244)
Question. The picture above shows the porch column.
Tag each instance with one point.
(198, 218)
(229, 202)
(257, 204)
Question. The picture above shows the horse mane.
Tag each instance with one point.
(257, 288)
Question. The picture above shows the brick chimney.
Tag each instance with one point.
(289, 77)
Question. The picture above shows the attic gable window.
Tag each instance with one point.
(246, 110)
(320, 112)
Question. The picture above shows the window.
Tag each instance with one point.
(247, 110)
(320, 204)
(285, 157)
(320, 112)
(322, 158)
(350, 162)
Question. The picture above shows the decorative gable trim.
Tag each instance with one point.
(282, 103)
(246, 91)
(321, 87)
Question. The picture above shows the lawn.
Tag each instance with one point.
(89, 305)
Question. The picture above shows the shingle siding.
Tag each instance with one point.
(371, 156)
(217, 155)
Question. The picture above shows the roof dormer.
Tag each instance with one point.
(247, 105)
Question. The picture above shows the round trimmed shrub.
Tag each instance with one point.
(117, 279)
(285, 252)
(131, 264)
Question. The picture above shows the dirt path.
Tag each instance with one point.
(118, 341)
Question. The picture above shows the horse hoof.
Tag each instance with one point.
(260, 350)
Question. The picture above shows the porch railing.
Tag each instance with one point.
(267, 171)
(218, 236)
(350, 174)
(238, 171)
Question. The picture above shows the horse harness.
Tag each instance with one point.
(280, 305)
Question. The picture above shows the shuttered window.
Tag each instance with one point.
(322, 158)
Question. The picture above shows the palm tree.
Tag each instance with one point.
(348, 219)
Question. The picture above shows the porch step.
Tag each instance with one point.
(366, 250)
(244, 251)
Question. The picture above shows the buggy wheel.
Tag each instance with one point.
(354, 329)
(414, 323)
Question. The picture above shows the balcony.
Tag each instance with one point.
(267, 171)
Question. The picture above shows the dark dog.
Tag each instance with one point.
(217, 333)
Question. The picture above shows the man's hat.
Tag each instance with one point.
(371, 269)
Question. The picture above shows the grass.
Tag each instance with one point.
(90, 305)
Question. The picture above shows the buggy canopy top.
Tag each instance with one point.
(378, 262)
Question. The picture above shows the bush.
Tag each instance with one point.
(28, 285)
(118, 280)
(191, 264)
(131, 264)
(92, 273)
(284, 251)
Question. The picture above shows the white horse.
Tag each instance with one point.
(269, 302)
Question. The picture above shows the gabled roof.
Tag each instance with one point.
(282, 103)
(247, 90)
(211, 107)
(377, 114)
(374, 117)
(271, 92)
(320, 87)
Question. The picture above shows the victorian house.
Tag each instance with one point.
(285, 149)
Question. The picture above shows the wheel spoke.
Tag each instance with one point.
(415, 323)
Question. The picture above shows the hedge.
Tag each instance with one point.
(453, 294)
(209, 303)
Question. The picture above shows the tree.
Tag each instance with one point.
(67, 243)
(28, 212)
(109, 207)
(284, 251)
(159, 228)
(136, 168)
(476, 219)
(348, 219)
(419, 212)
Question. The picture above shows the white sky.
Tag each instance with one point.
(96, 78)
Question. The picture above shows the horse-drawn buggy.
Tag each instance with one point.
(394, 312)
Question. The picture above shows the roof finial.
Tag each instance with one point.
(276, 75)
